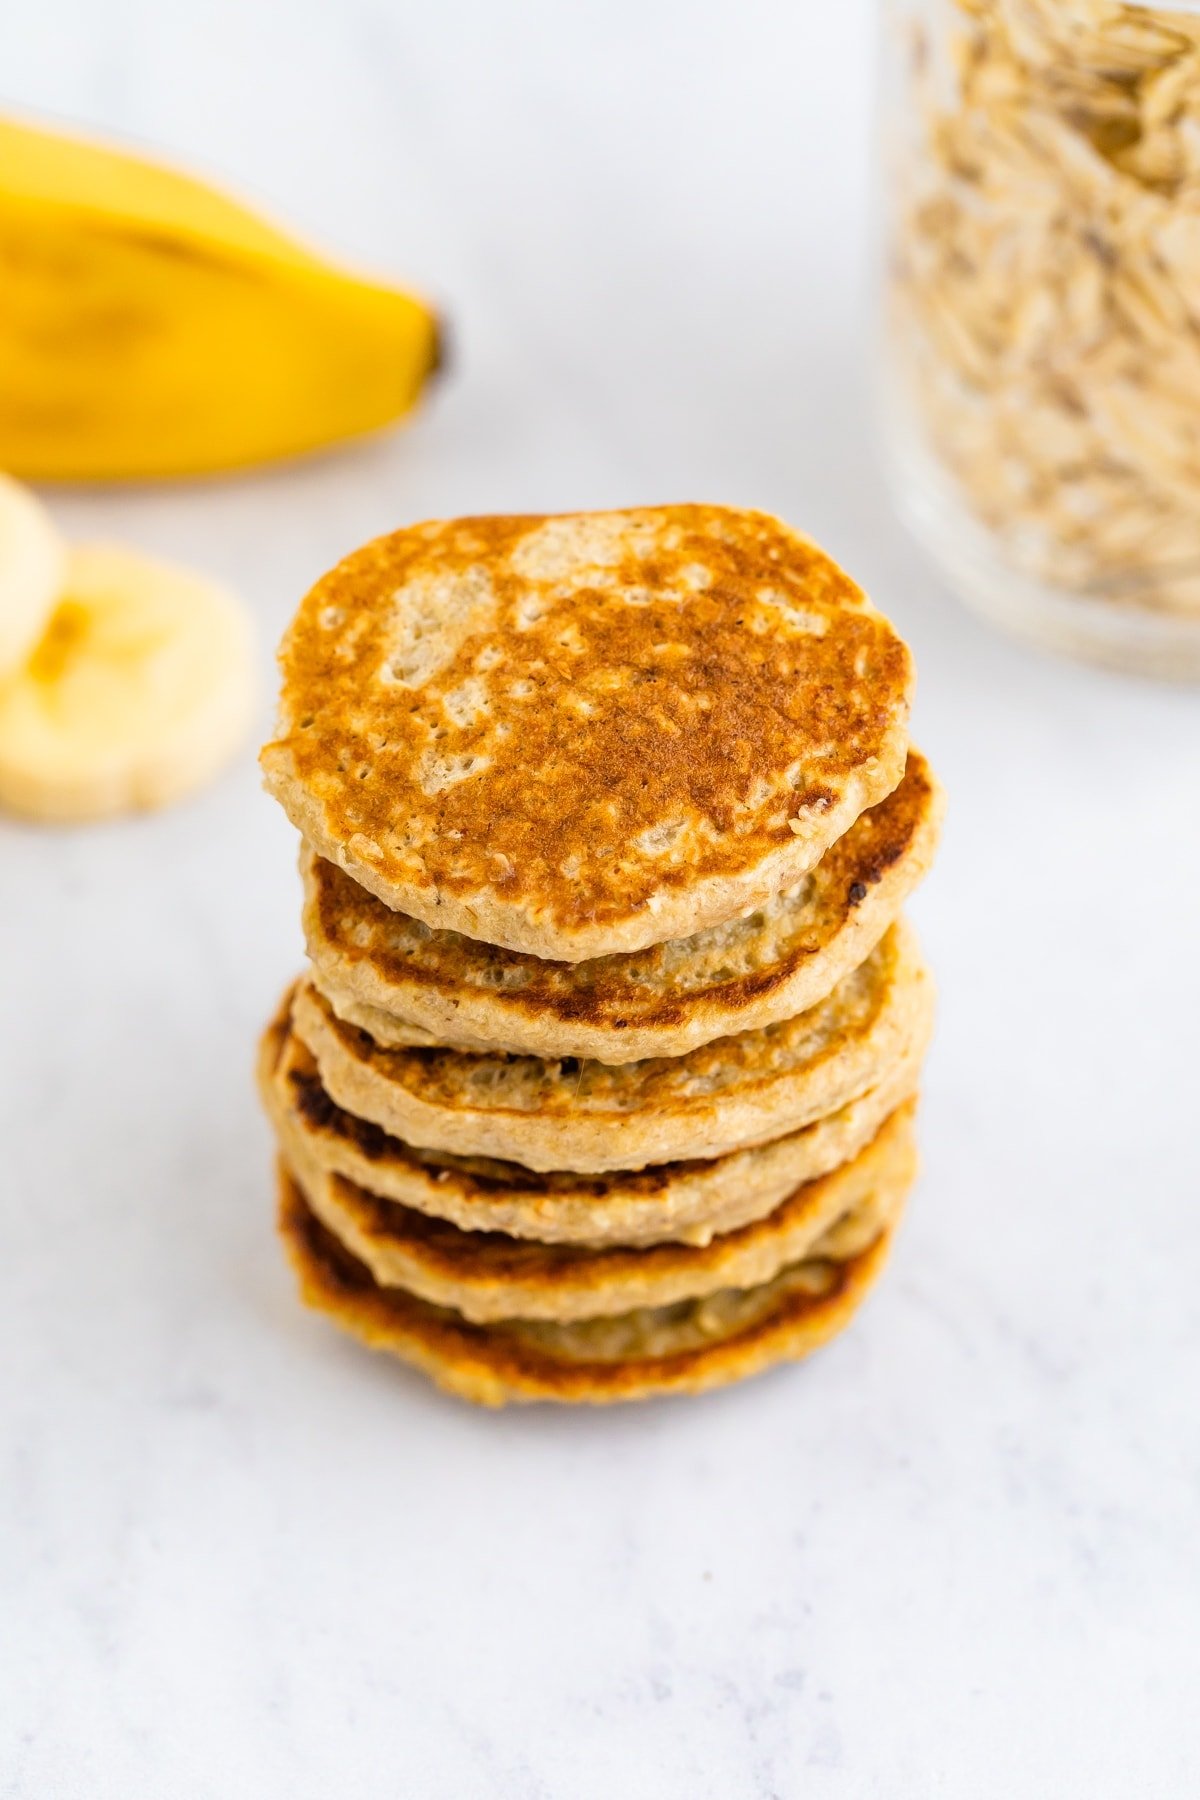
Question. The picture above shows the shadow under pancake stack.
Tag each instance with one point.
(600, 1083)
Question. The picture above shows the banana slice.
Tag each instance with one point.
(139, 690)
(32, 558)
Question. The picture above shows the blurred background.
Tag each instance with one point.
(954, 1555)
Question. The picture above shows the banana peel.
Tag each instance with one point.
(150, 326)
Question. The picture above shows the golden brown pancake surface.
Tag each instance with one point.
(490, 1276)
(591, 1116)
(686, 1349)
(580, 735)
(681, 1202)
(407, 984)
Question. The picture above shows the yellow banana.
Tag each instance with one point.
(138, 691)
(32, 556)
(150, 326)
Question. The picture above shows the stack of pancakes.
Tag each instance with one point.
(601, 1080)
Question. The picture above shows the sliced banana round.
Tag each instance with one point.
(139, 689)
(32, 558)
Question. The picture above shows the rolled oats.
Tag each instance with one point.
(1044, 285)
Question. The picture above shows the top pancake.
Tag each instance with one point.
(582, 735)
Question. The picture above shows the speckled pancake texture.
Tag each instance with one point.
(601, 1081)
(408, 985)
(488, 1276)
(680, 1202)
(686, 1348)
(578, 736)
(590, 1116)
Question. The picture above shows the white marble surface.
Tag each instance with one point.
(957, 1555)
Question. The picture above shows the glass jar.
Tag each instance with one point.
(1042, 295)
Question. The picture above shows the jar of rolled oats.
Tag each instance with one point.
(1042, 389)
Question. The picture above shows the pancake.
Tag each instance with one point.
(407, 985)
(487, 1276)
(590, 1116)
(578, 736)
(686, 1348)
(685, 1202)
